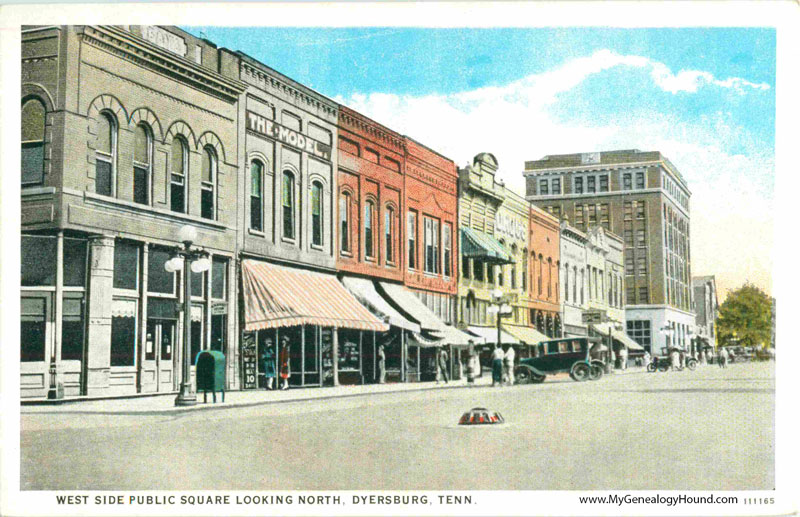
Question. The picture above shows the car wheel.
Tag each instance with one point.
(663, 367)
(651, 367)
(537, 379)
(523, 375)
(581, 372)
(691, 365)
(596, 373)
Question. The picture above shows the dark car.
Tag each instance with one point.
(570, 355)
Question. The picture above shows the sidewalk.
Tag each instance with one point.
(151, 404)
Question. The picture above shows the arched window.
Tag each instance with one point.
(524, 270)
(549, 277)
(575, 284)
(33, 120)
(256, 195)
(287, 203)
(316, 213)
(344, 222)
(208, 184)
(388, 228)
(179, 165)
(541, 260)
(106, 155)
(514, 267)
(566, 283)
(142, 164)
(369, 209)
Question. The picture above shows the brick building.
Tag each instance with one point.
(642, 197)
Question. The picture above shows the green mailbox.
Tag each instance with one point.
(210, 373)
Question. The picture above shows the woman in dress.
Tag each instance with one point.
(268, 363)
(284, 363)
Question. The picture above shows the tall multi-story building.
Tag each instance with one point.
(642, 197)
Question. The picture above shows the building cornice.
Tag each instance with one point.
(269, 79)
(363, 126)
(128, 46)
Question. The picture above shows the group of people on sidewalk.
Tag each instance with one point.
(268, 365)
(503, 365)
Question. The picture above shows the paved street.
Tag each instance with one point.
(711, 429)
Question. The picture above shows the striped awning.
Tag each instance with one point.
(526, 335)
(478, 245)
(489, 334)
(364, 291)
(276, 296)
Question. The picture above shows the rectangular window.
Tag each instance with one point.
(543, 188)
(158, 279)
(448, 249)
(643, 295)
(630, 295)
(556, 186)
(629, 262)
(177, 193)
(579, 185)
(123, 333)
(490, 274)
(628, 235)
(72, 327)
(431, 245)
(32, 163)
(592, 214)
(287, 203)
(126, 265)
(198, 284)
(642, 262)
(590, 184)
(388, 228)
(627, 184)
(141, 185)
(557, 212)
(207, 203)
(33, 312)
(465, 267)
(219, 278)
(104, 177)
(344, 220)
(38, 260)
(604, 215)
(640, 180)
(639, 331)
(640, 210)
(628, 210)
(604, 183)
(641, 238)
(412, 240)
(579, 214)
(478, 271)
(316, 214)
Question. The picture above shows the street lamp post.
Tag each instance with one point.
(498, 306)
(189, 260)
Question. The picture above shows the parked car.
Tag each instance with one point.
(570, 355)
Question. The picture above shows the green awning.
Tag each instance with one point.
(478, 245)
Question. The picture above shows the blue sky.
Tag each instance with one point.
(704, 97)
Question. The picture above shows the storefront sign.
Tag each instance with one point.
(219, 308)
(249, 358)
(594, 316)
(273, 130)
(164, 39)
(510, 227)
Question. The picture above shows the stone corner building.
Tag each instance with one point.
(642, 197)
(128, 133)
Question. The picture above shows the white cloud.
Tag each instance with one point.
(514, 123)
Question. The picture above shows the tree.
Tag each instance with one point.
(745, 318)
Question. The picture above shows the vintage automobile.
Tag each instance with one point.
(569, 355)
(664, 362)
(740, 354)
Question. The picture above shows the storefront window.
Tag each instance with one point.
(74, 262)
(32, 328)
(123, 332)
(219, 278)
(72, 328)
(38, 260)
(197, 332)
(158, 279)
(126, 265)
(349, 351)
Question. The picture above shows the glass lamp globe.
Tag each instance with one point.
(496, 293)
(187, 233)
(505, 309)
(492, 309)
(200, 265)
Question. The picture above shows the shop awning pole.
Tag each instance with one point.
(402, 355)
(374, 357)
(335, 355)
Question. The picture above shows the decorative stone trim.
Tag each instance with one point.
(148, 117)
(265, 80)
(209, 138)
(363, 126)
(179, 127)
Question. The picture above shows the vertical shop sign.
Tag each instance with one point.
(249, 357)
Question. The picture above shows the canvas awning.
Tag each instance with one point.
(428, 321)
(478, 245)
(619, 335)
(276, 296)
(526, 335)
(490, 335)
(364, 291)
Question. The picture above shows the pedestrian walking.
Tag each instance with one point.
(646, 358)
(623, 358)
(268, 363)
(497, 365)
(675, 359)
(284, 362)
(702, 357)
(441, 365)
(723, 358)
(508, 359)
(381, 365)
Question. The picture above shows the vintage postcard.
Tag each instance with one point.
(398, 259)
